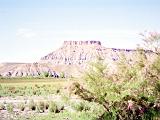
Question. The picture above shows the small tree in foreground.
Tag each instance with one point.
(130, 93)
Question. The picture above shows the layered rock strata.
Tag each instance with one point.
(82, 52)
(71, 59)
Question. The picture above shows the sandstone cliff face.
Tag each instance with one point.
(71, 58)
(81, 52)
(74, 56)
(76, 52)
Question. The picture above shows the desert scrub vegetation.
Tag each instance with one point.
(31, 87)
(81, 106)
(66, 115)
(21, 106)
(40, 106)
(57, 111)
(10, 107)
(53, 107)
(132, 90)
(2, 106)
(32, 105)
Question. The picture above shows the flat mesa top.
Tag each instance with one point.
(89, 42)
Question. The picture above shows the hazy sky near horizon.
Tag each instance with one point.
(30, 29)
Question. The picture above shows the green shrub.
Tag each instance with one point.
(46, 105)
(32, 105)
(21, 106)
(130, 80)
(40, 106)
(1, 87)
(96, 109)
(65, 98)
(45, 74)
(53, 107)
(80, 106)
(157, 87)
(66, 115)
(62, 75)
(60, 107)
(10, 107)
(87, 106)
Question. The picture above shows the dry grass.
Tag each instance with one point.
(20, 81)
(32, 86)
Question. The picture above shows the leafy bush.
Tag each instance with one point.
(32, 105)
(60, 107)
(40, 106)
(45, 74)
(1, 87)
(96, 109)
(78, 106)
(21, 106)
(81, 106)
(46, 105)
(66, 115)
(157, 87)
(53, 107)
(10, 107)
(65, 98)
(130, 92)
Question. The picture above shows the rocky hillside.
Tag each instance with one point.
(70, 59)
(26, 69)
(81, 52)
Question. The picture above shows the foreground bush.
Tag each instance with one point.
(53, 107)
(130, 92)
(10, 107)
(21, 106)
(32, 105)
(62, 116)
(81, 106)
(40, 106)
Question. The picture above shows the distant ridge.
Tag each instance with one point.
(71, 58)
(90, 42)
(81, 52)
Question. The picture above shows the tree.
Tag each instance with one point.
(127, 93)
(151, 41)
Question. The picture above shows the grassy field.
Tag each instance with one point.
(32, 80)
(31, 86)
(27, 87)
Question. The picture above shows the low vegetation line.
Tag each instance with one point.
(34, 80)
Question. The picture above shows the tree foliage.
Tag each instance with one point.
(151, 41)
(132, 91)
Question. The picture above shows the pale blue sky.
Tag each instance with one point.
(30, 29)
